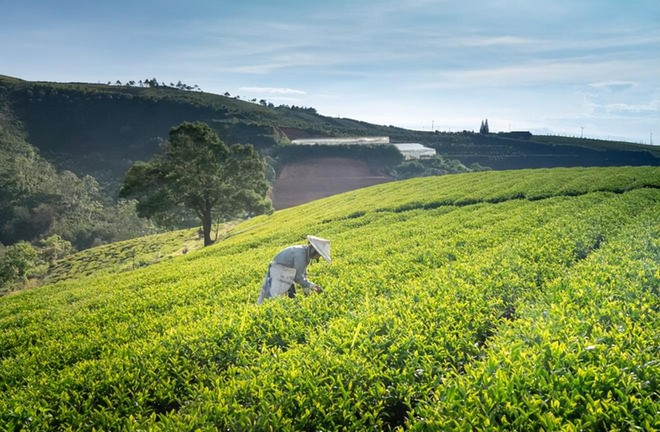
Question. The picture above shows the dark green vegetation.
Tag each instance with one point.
(199, 175)
(519, 300)
(514, 151)
(37, 200)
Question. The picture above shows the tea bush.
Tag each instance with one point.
(521, 300)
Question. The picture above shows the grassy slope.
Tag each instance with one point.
(130, 254)
(523, 299)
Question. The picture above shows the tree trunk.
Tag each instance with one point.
(206, 227)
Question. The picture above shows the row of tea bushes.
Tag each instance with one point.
(478, 311)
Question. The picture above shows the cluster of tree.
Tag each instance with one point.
(38, 201)
(282, 107)
(262, 102)
(153, 83)
(294, 108)
(436, 165)
(48, 214)
(484, 127)
(201, 176)
(21, 260)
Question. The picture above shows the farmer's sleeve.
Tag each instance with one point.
(300, 264)
(265, 288)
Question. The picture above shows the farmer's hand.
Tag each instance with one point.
(317, 288)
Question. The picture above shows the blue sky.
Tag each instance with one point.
(569, 67)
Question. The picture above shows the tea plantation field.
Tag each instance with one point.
(516, 300)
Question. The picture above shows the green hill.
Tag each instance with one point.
(64, 148)
(99, 129)
(518, 300)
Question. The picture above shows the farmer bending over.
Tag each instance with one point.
(290, 265)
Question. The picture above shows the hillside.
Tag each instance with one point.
(520, 300)
(65, 147)
(99, 129)
(508, 151)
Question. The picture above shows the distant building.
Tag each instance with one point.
(415, 151)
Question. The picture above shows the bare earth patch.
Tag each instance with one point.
(305, 181)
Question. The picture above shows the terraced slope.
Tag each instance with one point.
(521, 300)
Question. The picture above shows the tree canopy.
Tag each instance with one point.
(484, 129)
(198, 175)
(38, 200)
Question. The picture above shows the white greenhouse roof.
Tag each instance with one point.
(408, 150)
(342, 141)
(414, 150)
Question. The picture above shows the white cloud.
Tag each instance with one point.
(578, 71)
(632, 108)
(614, 85)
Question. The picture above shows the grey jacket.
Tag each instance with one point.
(296, 257)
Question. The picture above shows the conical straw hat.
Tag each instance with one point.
(322, 246)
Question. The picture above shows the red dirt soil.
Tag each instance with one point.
(301, 182)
